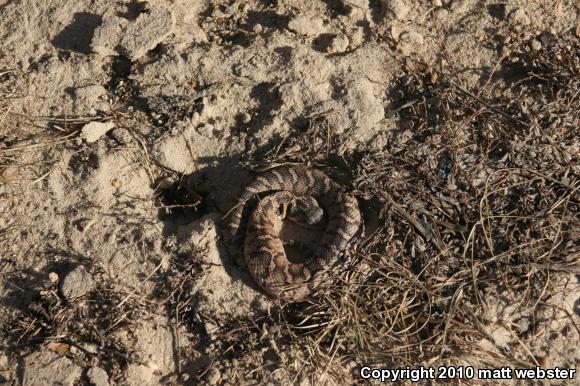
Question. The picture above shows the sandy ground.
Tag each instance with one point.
(124, 131)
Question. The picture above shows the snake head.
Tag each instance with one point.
(305, 210)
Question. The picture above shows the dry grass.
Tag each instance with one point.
(474, 199)
(477, 202)
(473, 203)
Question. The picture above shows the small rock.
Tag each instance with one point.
(206, 130)
(441, 14)
(245, 118)
(107, 35)
(217, 12)
(48, 368)
(92, 131)
(211, 329)
(523, 325)
(505, 51)
(397, 8)
(92, 92)
(437, 3)
(409, 42)
(138, 375)
(9, 174)
(554, 325)
(519, 17)
(357, 37)
(305, 25)
(123, 136)
(77, 283)
(213, 377)
(147, 31)
(412, 37)
(536, 45)
(339, 43)
(3, 361)
(53, 277)
(98, 376)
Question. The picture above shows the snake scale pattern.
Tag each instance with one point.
(251, 228)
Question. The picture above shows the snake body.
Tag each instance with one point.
(251, 228)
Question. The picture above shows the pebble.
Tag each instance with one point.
(245, 118)
(397, 8)
(139, 374)
(523, 325)
(92, 131)
(77, 283)
(48, 368)
(505, 51)
(214, 377)
(53, 277)
(306, 25)
(412, 37)
(9, 174)
(536, 45)
(123, 136)
(217, 13)
(340, 43)
(3, 361)
(206, 129)
(98, 376)
(148, 30)
(106, 37)
(409, 42)
(519, 17)
(211, 329)
(134, 39)
(441, 14)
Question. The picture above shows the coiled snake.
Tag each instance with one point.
(251, 228)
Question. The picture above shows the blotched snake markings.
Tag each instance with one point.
(251, 228)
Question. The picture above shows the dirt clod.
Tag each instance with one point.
(77, 283)
(48, 368)
(97, 376)
(93, 131)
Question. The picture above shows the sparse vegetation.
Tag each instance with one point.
(471, 210)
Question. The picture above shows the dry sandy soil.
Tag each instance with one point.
(127, 129)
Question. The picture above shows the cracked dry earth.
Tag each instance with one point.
(124, 130)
